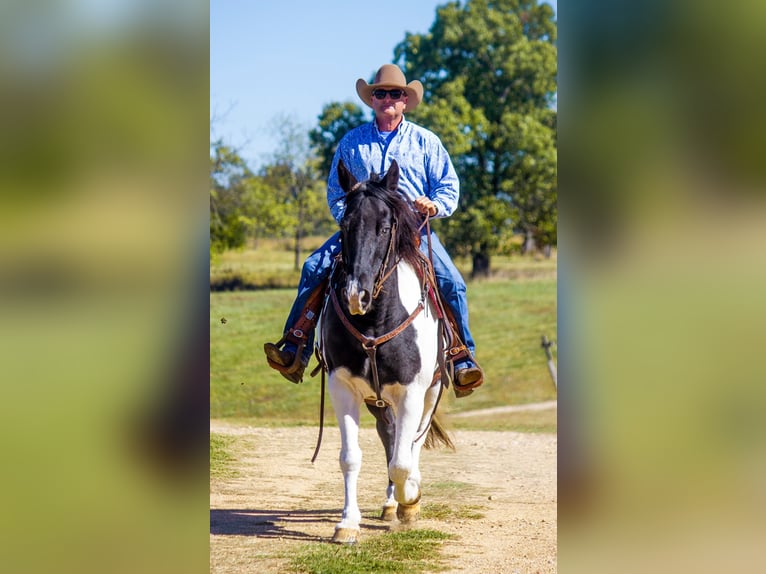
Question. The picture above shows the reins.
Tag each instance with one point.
(444, 375)
(370, 344)
(383, 275)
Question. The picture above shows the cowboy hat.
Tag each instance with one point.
(390, 76)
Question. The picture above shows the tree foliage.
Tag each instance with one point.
(489, 73)
(232, 205)
(335, 121)
(286, 198)
(294, 175)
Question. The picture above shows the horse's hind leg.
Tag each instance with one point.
(347, 411)
(385, 425)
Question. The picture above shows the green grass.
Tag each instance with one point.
(451, 491)
(447, 512)
(220, 456)
(450, 488)
(270, 263)
(411, 552)
(509, 314)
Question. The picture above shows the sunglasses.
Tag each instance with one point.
(395, 94)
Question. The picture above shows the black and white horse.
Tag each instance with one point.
(379, 340)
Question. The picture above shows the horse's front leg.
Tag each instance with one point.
(346, 405)
(403, 468)
(416, 413)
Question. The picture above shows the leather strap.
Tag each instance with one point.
(370, 344)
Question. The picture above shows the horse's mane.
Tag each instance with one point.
(408, 221)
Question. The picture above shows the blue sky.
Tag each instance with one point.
(294, 56)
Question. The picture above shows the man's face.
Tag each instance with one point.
(384, 103)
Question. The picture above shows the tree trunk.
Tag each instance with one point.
(480, 265)
(530, 245)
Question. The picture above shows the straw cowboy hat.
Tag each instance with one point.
(390, 76)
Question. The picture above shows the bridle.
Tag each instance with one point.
(383, 275)
(371, 344)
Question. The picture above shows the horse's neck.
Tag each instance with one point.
(409, 286)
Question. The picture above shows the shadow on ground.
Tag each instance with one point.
(290, 524)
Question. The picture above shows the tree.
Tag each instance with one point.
(489, 73)
(293, 175)
(242, 205)
(232, 209)
(335, 121)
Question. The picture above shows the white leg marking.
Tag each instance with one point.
(414, 401)
(346, 404)
(402, 469)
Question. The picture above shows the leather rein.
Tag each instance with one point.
(370, 344)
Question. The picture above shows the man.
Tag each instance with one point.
(427, 178)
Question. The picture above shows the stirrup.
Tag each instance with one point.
(462, 390)
(457, 355)
(297, 364)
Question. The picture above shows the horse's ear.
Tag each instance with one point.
(391, 179)
(345, 177)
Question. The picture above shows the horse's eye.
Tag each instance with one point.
(385, 230)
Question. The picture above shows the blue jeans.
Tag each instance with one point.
(451, 285)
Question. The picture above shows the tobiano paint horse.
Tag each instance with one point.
(379, 340)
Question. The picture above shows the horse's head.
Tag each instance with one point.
(368, 233)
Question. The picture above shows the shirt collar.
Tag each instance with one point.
(399, 128)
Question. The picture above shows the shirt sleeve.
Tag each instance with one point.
(443, 183)
(336, 197)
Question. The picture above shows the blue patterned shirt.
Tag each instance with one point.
(425, 167)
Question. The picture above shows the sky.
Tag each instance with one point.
(292, 57)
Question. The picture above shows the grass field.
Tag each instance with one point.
(410, 552)
(509, 314)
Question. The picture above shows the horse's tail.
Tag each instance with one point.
(437, 435)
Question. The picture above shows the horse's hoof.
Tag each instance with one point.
(345, 536)
(407, 513)
(388, 514)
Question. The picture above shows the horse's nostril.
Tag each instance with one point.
(358, 299)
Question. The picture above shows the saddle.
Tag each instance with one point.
(456, 351)
(298, 334)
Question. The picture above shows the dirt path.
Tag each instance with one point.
(281, 500)
(506, 409)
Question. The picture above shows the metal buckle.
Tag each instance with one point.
(380, 403)
(369, 343)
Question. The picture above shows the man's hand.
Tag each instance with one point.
(425, 206)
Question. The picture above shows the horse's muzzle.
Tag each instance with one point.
(358, 299)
